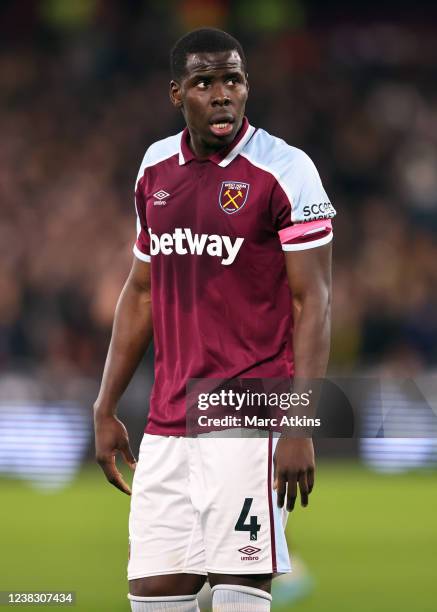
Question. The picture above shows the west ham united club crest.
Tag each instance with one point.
(233, 196)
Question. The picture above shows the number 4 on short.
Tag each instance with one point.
(253, 526)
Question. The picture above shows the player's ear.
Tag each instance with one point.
(247, 81)
(175, 94)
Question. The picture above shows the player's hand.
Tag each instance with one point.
(293, 464)
(111, 438)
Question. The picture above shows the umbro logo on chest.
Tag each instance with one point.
(161, 198)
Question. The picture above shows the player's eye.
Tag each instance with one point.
(203, 84)
(234, 79)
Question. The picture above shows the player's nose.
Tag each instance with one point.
(219, 96)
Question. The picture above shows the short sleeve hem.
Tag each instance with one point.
(140, 255)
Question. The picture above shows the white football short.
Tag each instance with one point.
(204, 505)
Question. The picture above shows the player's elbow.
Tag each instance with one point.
(313, 303)
(315, 296)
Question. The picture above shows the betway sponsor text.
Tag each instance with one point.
(182, 242)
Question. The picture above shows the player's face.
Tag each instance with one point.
(212, 96)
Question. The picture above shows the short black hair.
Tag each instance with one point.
(203, 40)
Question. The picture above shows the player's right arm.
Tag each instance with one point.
(131, 334)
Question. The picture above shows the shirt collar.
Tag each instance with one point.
(223, 157)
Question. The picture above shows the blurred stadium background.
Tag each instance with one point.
(83, 92)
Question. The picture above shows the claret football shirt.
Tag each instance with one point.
(214, 232)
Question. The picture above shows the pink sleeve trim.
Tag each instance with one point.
(304, 230)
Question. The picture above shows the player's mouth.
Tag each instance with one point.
(222, 126)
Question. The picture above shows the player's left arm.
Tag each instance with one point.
(309, 277)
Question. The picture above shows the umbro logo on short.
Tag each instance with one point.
(249, 553)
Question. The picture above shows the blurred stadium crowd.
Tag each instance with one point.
(84, 92)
